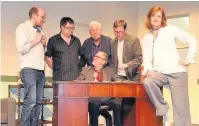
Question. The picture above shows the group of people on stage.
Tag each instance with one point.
(101, 58)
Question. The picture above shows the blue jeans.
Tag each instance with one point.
(33, 81)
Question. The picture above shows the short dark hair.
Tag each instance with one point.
(66, 20)
(120, 23)
(32, 11)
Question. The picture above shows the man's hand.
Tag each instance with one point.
(124, 66)
(38, 37)
(36, 40)
(184, 63)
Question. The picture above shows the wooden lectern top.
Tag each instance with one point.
(99, 89)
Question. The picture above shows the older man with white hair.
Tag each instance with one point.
(97, 42)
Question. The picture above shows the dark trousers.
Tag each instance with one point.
(33, 82)
(114, 105)
(127, 103)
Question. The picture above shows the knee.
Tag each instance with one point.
(30, 99)
(94, 105)
(29, 104)
(148, 83)
(116, 106)
(39, 100)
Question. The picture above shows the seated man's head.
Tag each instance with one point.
(100, 60)
(95, 30)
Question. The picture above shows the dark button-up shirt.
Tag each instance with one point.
(65, 57)
(95, 48)
(89, 49)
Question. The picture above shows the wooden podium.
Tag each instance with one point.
(70, 100)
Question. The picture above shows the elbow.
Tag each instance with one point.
(22, 51)
(48, 61)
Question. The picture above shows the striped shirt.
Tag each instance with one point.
(65, 57)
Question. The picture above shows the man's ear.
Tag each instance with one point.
(61, 28)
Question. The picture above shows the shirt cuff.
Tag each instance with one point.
(190, 61)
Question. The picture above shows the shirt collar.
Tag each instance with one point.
(120, 41)
(29, 23)
(59, 36)
(99, 42)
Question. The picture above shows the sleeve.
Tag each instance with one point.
(23, 46)
(49, 49)
(110, 63)
(82, 61)
(82, 75)
(147, 56)
(187, 39)
(112, 55)
(114, 76)
(137, 52)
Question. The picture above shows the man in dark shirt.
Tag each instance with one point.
(63, 52)
(97, 42)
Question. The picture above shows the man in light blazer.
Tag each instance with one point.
(126, 58)
(99, 72)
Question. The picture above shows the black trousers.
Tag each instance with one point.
(127, 104)
(114, 105)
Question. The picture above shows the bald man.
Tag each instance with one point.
(30, 42)
(95, 43)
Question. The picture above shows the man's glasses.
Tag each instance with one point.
(99, 57)
(69, 28)
(118, 32)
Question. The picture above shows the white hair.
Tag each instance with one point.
(95, 23)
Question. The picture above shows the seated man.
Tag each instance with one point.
(100, 72)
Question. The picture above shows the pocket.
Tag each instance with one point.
(21, 76)
(28, 75)
(60, 49)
